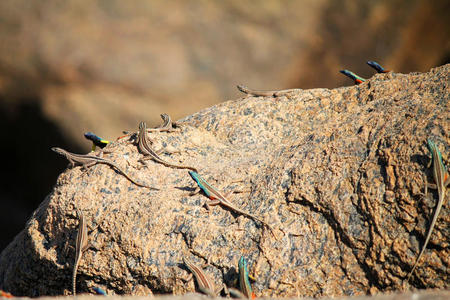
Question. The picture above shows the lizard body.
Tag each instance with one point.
(377, 67)
(216, 198)
(167, 125)
(87, 160)
(205, 284)
(442, 179)
(96, 140)
(80, 246)
(145, 148)
(353, 76)
(244, 281)
(258, 93)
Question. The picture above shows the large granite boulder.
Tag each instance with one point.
(337, 173)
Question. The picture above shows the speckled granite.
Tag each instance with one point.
(337, 173)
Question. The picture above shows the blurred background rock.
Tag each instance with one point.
(67, 67)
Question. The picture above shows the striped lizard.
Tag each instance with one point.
(87, 160)
(216, 198)
(81, 246)
(442, 179)
(145, 148)
(258, 93)
(205, 285)
(353, 76)
(244, 281)
(167, 125)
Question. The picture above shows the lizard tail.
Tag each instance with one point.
(74, 279)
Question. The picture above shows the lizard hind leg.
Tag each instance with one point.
(86, 166)
(143, 163)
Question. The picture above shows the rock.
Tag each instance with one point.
(337, 173)
(70, 67)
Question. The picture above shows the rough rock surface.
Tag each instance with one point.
(338, 174)
(67, 67)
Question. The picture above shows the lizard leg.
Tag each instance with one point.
(87, 165)
(143, 161)
(213, 202)
(160, 150)
(102, 151)
(210, 203)
(427, 184)
(163, 149)
(71, 162)
(170, 150)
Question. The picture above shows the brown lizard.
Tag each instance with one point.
(205, 284)
(248, 91)
(167, 125)
(145, 148)
(86, 160)
(81, 246)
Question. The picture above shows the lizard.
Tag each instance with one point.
(144, 147)
(442, 179)
(258, 93)
(216, 198)
(86, 160)
(377, 67)
(205, 285)
(244, 281)
(167, 125)
(353, 76)
(96, 140)
(80, 246)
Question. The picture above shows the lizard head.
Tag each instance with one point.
(193, 174)
(142, 126)
(58, 150)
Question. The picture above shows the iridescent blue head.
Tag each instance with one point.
(376, 66)
(432, 146)
(91, 136)
(98, 141)
(99, 290)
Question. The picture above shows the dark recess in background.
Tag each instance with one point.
(445, 60)
(27, 177)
